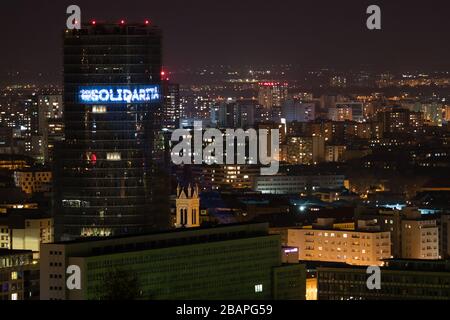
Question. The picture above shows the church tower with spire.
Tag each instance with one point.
(188, 207)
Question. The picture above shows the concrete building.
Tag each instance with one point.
(172, 110)
(237, 114)
(350, 111)
(447, 113)
(324, 243)
(387, 221)
(401, 280)
(413, 236)
(50, 126)
(361, 130)
(25, 230)
(433, 113)
(226, 262)
(334, 153)
(220, 177)
(281, 184)
(338, 81)
(272, 94)
(420, 238)
(398, 120)
(342, 113)
(305, 150)
(444, 238)
(298, 111)
(31, 181)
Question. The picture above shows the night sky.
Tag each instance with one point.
(415, 34)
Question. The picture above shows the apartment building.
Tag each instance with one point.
(325, 243)
(420, 239)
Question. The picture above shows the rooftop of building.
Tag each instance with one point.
(277, 220)
(241, 200)
(391, 264)
(437, 183)
(15, 218)
(419, 265)
(169, 238)
(313, 265)
(13, 195)
(8, 252)
(35, 168)
(337, 229)
(16, 157)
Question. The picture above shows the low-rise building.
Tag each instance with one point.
(400, 280)
(25, 230)
(389, 220)
(226, 262)
(325, 243)
(420, 239)
(445, 236)
(31, 181)
(287, 184)
(19, 275)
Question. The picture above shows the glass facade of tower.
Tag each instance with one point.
(103, 168)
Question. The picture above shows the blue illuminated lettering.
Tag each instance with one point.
(137, 94)
(142, 94)
(95, 95)
(104, 95)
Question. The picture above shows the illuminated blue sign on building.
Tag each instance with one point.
(119, 94)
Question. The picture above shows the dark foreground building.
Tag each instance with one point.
(228, 262)
(400, 280)
(112, 75)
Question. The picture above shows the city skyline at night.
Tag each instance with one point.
(308, 34)
(243, 151)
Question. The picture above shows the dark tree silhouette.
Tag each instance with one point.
(120, 285)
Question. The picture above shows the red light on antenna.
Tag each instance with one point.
(94, 22)
(122, 21)
(163, 73)
(147, 22)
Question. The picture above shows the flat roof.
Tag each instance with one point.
(410, 265)
(10, 252)
(170, 231)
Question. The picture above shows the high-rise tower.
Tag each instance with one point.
(112, 75)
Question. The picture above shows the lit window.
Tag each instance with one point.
(14, 296)
(113, 156)
(258, 288)
(14, 275)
